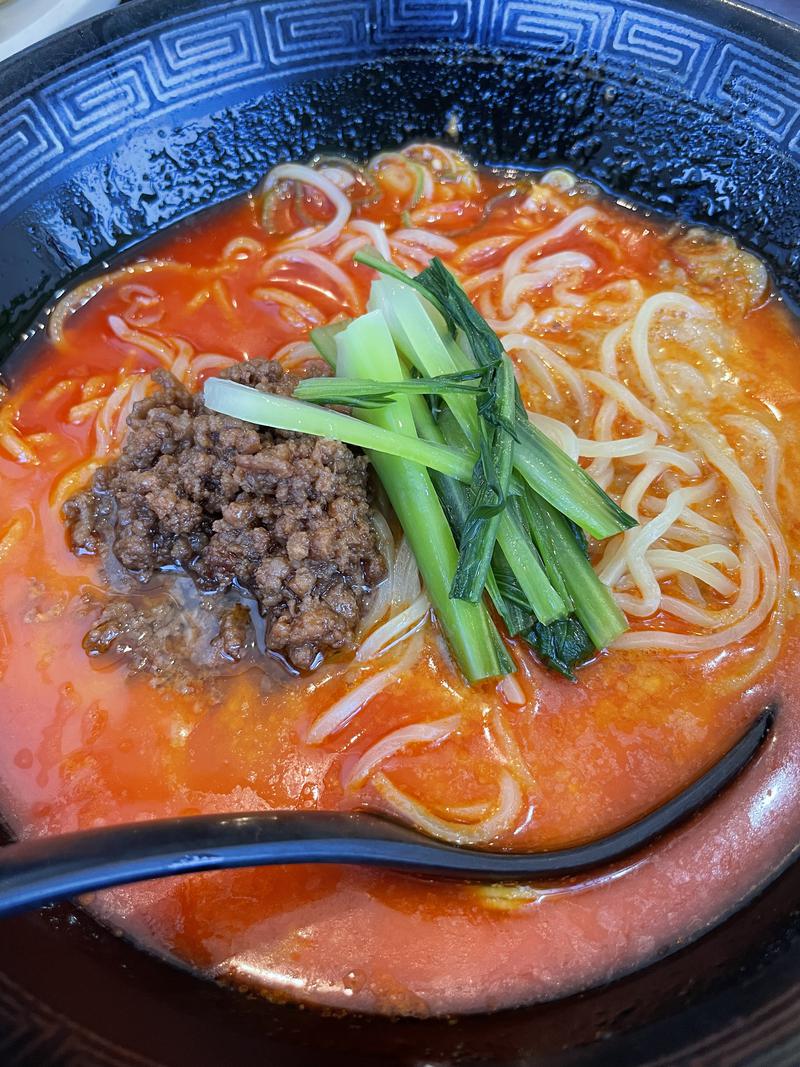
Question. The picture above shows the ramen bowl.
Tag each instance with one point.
(137, 119)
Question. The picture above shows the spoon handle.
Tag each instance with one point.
(46, 869)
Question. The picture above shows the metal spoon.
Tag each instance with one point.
(47, 869)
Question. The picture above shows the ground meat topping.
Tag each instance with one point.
(284, 515)
(171, 633)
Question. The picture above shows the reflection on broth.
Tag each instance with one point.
(201, 614)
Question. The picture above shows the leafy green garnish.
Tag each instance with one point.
(563, 645)
(366, 393)
(323, 338)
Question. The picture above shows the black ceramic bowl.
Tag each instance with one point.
(143, 116)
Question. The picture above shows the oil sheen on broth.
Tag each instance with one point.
(655, 355)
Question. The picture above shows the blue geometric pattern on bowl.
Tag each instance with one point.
(235, 47)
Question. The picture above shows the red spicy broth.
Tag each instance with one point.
(540, 761)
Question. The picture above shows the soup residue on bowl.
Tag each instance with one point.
(136, 683)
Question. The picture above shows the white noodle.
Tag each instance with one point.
(670, 457)
(515, 262)
(642, 447)
(530, 346)
(340, 176)
(536, 369)
(347, 249)
(558, 432)
(419, 733)
(381, 598)
(339, 714)
(320, 263)
(545, 272)
(500, 821)
(605, 301)
(688, 586)
(608, 349)
(763, 551)
(296, 311)
(719, 555)
(634, 494)
(434, 242)
(376, 234)
(312, 237)
(296, 354)
(601, 468)
(511, 691)
(398, 159)
(768, 443)
(242, 248)
(566, 298)
(632, 404)
(137, 392)
(111, 416)
(704, 492)
(83, 293)
(407, 583)
(397, 628)
(147, 343)
(408, 254)
(208, 361)
(685, 379)
(638, 540)
(145, 304)
(521, 318)
(486, 247)
(183, 355)
(667, 561)
(508, 746)
(640, 333)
